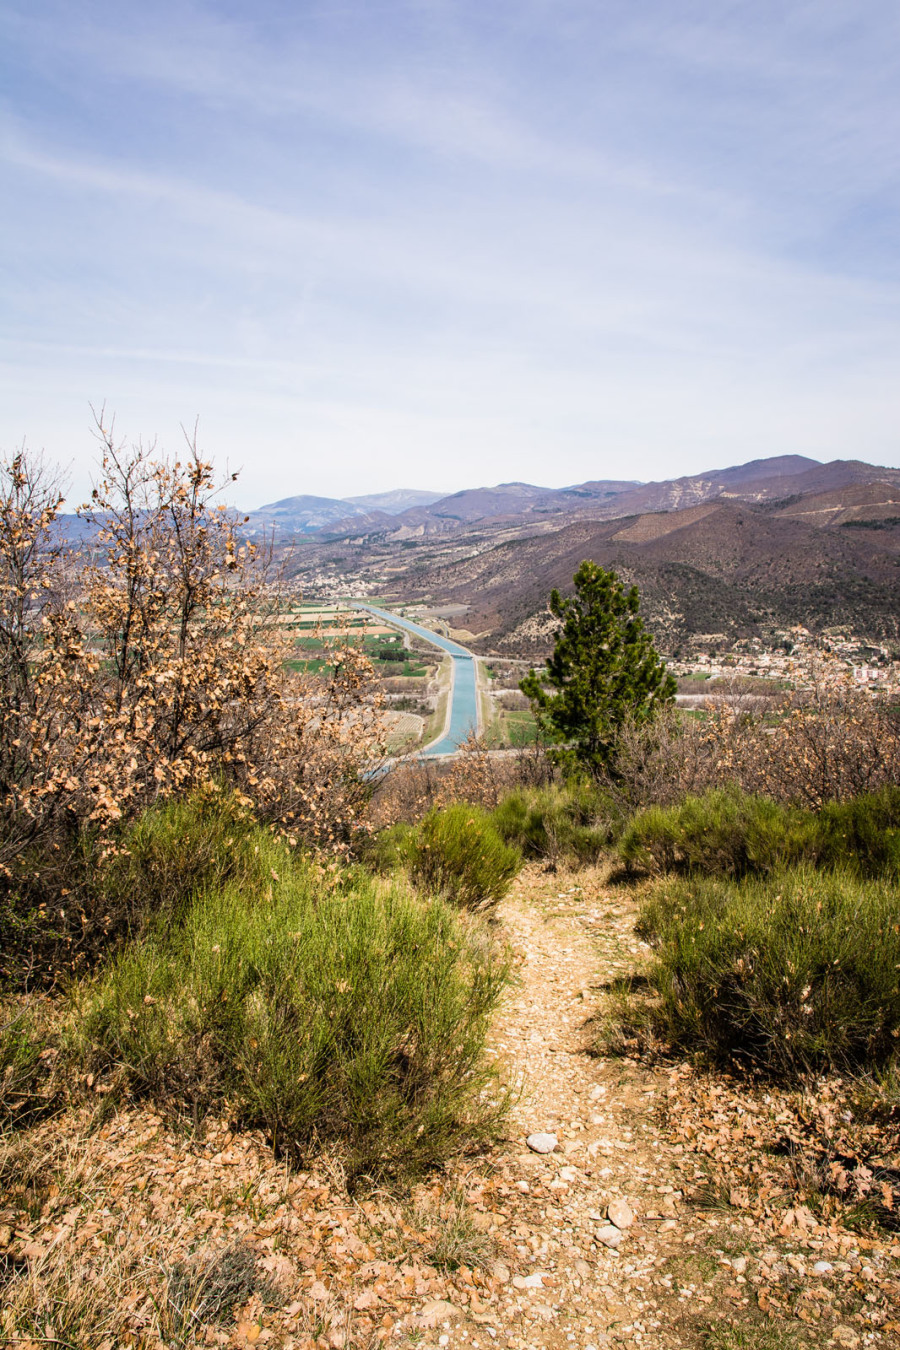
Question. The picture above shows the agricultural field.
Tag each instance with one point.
(507, 718)
(317, 629)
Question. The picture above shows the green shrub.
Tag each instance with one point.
(181, 848)
(722, 831)
(569, 822)
(729, 832)
(390, 849)
(455, 851)
(798, 971)
(863, 832)
(107, 888)
(355, 1015)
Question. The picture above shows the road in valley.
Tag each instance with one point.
(462, 714)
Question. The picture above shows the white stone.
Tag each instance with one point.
(535, 1281)
(620, 1213)
(609, 1235)
(542, 1142)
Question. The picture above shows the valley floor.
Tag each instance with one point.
(103, 1219)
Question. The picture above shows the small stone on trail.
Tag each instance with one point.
(542, 1143)
(620, 1213)
(609, 1235)
(535, 1281)
(500, 1272)
(823, 1267)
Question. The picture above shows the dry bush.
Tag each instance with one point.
(144, 664)
(827, 742)
(513, 701)
(475, 775)
(662, 761)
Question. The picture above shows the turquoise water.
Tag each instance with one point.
(464, 696)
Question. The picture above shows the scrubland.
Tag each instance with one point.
(230, 943)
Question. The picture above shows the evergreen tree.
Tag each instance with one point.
(604, 668)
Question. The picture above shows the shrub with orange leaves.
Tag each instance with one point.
(146, 662)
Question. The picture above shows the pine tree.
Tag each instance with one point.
(604, 669)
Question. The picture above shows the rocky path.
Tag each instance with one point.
(640, 1227)
(579, 1278)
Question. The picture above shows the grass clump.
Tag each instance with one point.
(569, 822)
(207, 1289)
(796, 972)
(721, 832)
(455, 851)
(26, 1065)
(454, 1240)
(353, 1014)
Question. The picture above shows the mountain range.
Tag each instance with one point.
(406, 512)
(743, 551)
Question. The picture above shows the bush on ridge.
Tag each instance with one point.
(353, 1014)
(455, 852)
(727, 832)
(571, 822)
(797, 971)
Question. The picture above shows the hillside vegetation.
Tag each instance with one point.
(223, 926)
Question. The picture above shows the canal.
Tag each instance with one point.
(463, 691)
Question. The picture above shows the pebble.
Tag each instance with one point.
(609, 1235)
(542, 1143)
(620, 1213)
(535, 1281)
(823, 1267)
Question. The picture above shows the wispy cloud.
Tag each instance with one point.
(374, 243)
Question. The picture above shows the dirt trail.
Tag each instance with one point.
(701, 1262)
(569, 1287)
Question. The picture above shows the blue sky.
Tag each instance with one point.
(436, 244)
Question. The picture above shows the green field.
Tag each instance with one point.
(511, 730)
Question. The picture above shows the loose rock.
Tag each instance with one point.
(535, 1281)
(542, 1143)
(620, 1213)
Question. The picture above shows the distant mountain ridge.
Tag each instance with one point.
(405, 513)
(305, 513)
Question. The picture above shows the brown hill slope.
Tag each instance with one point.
(731, 569)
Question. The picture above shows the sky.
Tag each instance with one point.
(446, 243)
